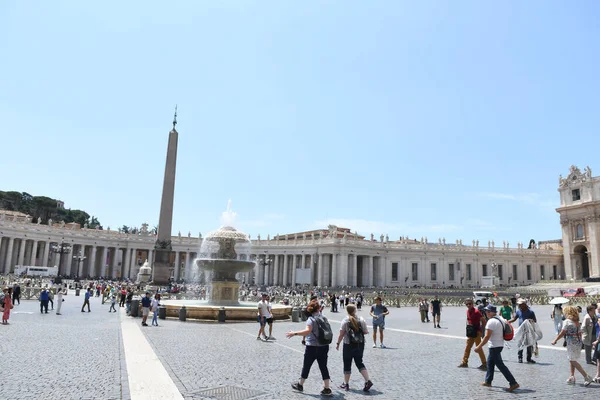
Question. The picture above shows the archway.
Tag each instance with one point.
(581, 261)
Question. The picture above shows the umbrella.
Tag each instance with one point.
(559, 300)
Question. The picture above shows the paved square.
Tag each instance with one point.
(81, 356)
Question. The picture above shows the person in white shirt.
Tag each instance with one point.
(154, 308)
(59, 300)
(494, 333)
(263, 311)
(270, 318)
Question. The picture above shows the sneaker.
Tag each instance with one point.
(513, 387)
(434, 326)
(482, 367)
(587, 381)
(521, 360)
(530, 361)
(463, 365)
(368, 385)
(596, 379)
(486, 384)
(345, 386)
(326, 392)
(571, 380)
(382, 346)
(271, 338)
(258, 338)
(439, 326)
(374, 346)
(298, 387)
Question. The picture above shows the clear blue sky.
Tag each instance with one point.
(439, 119)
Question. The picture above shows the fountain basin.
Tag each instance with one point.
(203, 310)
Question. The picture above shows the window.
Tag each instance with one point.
(579, 232)
(484, 270)
(542, 272)
(469, 272)
(415, 271)
(433, 271)
(528, 272)
(500, 274)
(451, 272)
(394, 272)
(515, 276)
(576, 194)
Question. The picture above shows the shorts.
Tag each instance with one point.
(270, 321)
(261, 320)
(438, 313)
(145, 311)
(380, 325)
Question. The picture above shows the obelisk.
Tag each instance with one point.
(162, 255)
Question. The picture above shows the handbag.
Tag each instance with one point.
(471, 331)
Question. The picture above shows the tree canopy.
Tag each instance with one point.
(46, 208)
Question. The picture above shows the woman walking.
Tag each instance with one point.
(8, 305)
(352, 333)
(557, 316)
(572, 331)
(313, 350)
(154, 307)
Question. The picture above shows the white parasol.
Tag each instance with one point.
(559, 300)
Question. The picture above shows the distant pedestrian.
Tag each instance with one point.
(436, 311)
(378, 312)
(558, 318)
(494, 334)
(123, 297)
(154, 309)
(588, 333)
(352, 334)
(86, 301)
(59, 300)
(44, 301)
(16, 294)
(7, 306)
(113, 302)
(51, 298)
(270, 318)
(263, 312)
(423, 308)
(506, 311)
(314, 350)
(146, 303)
(128, 301)
(572, 330)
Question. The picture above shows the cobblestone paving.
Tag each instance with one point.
(70, 356)
(415, 364)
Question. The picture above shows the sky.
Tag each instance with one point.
(437, 119)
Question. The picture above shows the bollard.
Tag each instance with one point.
(162, 312)
(77, 291)
(295, 314)
(135, 308)
(182, 313)
(303, 314)
(222, 314)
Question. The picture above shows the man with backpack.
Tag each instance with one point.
(494, 334)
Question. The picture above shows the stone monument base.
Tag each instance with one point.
(162, 267)
(224, 293)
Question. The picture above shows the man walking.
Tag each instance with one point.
(474, 330)
(378, 312)
(146, 303)
(436, 311)
(263, 312)
(88, 294)
(524, 313)
(16, 294)
(494, 333)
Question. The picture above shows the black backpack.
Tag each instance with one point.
(324, 333)
(355, 336)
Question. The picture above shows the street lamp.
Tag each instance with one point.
(61, 249)
(265, 262)
(79, 259)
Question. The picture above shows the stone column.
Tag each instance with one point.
(126, 264)
(343, 275)
(383, 271)
(9, 255)
(294, 266)
(92, 268)
(150, 254)
(46, 254)
(285, 270)
(303, 261)
(177, 261)
(21, 252)
(354, 270)
(320, 271)
(311, 267)
(276, 270)
(369, 263)
(115, 263)
(133, 266)
(265, 272)
(334, 271)
(103, 262)
(34, 249)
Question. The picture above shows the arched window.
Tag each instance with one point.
(579, 233)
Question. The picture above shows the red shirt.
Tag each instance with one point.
(474, 318)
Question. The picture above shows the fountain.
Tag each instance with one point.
(218, 258)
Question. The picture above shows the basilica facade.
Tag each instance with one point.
(334, 256)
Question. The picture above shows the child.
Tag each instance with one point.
(113, 301)
(572, 331)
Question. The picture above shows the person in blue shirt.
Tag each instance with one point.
(44, 297)
(88, 294)
(522, 314)
(146, 303)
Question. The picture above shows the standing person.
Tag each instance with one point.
(522, 314)
(436, 311)
(506, 311)
(86, 301)
(123, 297)
(557, 317)
(16, 294)
(146, 303)
(571, 329)
(154, 308)
(474, 335)
(378, 312)
(128, 301)
(113, 302)
(313, 350)
(51, 298)
(59, 300)
(352, 333)
(494, 334)
(263, 311)
(270, 318)
(44, 301)
(423, 308)
(596, 345)
(588, 332)
(8, 305)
